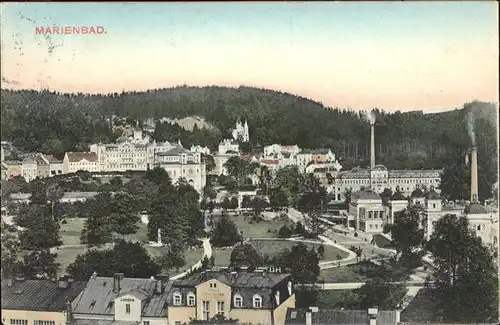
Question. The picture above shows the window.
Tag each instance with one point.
(205, 310)
(289, 287)
(257, 301)
(18, 322)
(433, 205)
(191, 299)
(127, 308)
(238, 301)
(177, 299)
(220, 308)
(478, 228)
(44, 322)
(146, 322)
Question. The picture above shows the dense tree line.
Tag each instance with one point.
(55, 123)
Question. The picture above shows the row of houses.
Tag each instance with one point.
(258, 297)
(135, 153)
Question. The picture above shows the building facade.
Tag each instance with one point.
(37, 302)
(366, 211)
(76, 161)
(182, 163)
(228, 146)
(250, 297)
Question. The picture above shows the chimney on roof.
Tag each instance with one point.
(473, 177)
(233, 275)
(117, 282)
(372, 314)
(10, 282)
(63, 282)
(69, 311)
(94, 275)
(159, 285)
(309, 317)
(372, 146)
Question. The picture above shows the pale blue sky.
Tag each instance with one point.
(386, 54)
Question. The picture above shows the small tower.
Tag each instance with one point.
(246, 134)
(433, 201)
(137, 132)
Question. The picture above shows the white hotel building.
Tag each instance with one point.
(137, 153)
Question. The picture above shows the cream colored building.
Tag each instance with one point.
(250, 297)
(182, 163)
(13, 169)
(228, 146)
(76, 161)
(367, 211)
(37, 302)
(29, 169)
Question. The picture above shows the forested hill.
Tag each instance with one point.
(54, 122)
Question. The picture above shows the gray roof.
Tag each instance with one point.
(433, 195)
(398, 196)
(415, 173)
(366, 195)
(38, 295)
(102, 322)
(241, 279)
(334, 316)
(66, 195)
(380, 168)
(100, 290)
(417, 193)
(79, 195)
(475, 208)
(175, 151)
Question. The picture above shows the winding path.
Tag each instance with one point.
(207, 252)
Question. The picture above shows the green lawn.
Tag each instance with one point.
(191, 257)
(334, 299)
(71, 230)
(382, 242)
(273, 248)
(66, 256)
(140, 235)
(421, 309)
(261, 229)
(343, 274)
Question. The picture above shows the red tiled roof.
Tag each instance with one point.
(269, 161)
(79, 156)
(246, 157)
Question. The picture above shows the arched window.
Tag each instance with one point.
(257, 301)
(177, 299)
(191, 299)
(238, 301)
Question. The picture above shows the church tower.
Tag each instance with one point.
(246, 134)
(137, 132)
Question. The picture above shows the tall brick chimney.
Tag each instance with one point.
(372, 145)
(474, 198)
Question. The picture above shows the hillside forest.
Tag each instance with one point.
(54, 123)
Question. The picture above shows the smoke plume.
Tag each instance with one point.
(369, 117)
(470, 128)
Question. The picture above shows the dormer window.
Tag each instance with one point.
(177, 299)
(191, 299)
(257, 301)
(238, 301)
